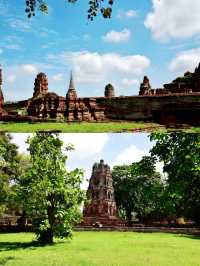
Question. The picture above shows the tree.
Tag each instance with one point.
(137, 188)
(52, 195)
(180, 153)
(95, 6)
(9, 169)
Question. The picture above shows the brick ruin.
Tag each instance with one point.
(46, 104)
(40, 85)
(189, 83)
(101, 206)
(82, 109)
(177, 102)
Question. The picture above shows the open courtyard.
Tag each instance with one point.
(103, 249)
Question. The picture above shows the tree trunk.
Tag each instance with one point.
(46, 237)
(129, 217)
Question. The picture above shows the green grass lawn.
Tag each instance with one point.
(103, 249)
(83, 127)
(94, 127)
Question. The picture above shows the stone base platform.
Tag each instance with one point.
(102, 222)
(144, 229)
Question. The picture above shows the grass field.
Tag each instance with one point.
(102, 249)
(90, 127)
(83, 127)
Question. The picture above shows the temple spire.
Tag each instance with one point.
(71, 83)
(71, 94)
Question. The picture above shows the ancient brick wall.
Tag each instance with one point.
(177, 108)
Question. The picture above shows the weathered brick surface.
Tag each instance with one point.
(101, 208)
(178, 108)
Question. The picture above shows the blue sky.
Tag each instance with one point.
(115, 149)
(160, 39)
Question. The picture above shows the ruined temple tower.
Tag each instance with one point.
(71, 94)
(145, 86)
(40, 85)
(109, 91)
(101, 207)
(1, 92)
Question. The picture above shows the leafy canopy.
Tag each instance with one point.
(9, 169)
(180, 153)
(137, 188)
(52, 194)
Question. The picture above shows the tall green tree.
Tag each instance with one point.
(137, 188)
(180, 153)
(9, 169)
(94, 7)
(52, 194)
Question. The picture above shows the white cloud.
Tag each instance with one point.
(126, 14)
(185, 61)
(29, 69)
(57, 77)
(129, 155)
(117, 36)
(95, 67)
(19, 24)
(130, 82)
(11, 78)
(86, 145)
(21, 77)
(13, 47)
(174, 19)
(20, 140)
(134, 154)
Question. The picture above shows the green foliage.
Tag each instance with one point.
(180, 153)
(137, 188)
(95, 6)
(9, 169)
(52, 195)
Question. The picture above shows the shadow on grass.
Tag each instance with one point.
(7, 246)
(4, 260)
(196, 237)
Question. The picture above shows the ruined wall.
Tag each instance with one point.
(15, 106)
(179, 108)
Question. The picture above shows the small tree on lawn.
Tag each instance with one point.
(52, 195)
